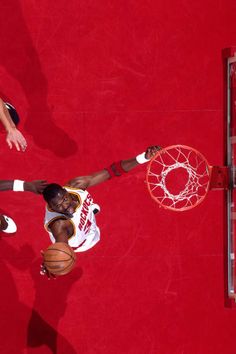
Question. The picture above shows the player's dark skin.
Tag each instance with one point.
(34, 187)
(65, 203)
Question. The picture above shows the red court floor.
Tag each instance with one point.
(95, 82)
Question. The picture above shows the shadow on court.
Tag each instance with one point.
(20, 59)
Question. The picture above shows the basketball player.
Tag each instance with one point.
(9, 119)
(7, 225)
(70, 210)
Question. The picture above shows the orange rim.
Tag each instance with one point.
(193, 199)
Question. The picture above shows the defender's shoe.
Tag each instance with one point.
(11, 226)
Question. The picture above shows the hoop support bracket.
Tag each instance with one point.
(219, 178)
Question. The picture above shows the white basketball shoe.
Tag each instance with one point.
(11, 226)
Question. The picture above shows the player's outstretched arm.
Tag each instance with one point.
(84, 182)
(60, 230)
(22, 186)
(115, 169)
(14, 136)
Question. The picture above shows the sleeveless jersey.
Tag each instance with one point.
(86, 233)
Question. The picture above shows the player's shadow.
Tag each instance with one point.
(49, 307)
(20, 59)
(13, 312)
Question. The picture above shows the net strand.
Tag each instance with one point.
(197, 183)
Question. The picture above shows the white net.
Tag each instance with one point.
(178, 177)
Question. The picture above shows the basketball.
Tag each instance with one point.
(59, 258)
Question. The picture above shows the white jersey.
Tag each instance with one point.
(86, 233)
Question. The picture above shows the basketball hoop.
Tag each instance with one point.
(178, 177)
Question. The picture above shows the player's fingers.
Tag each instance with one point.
(52, 276)
(39, 180)
(43, 271)
(23, 144)
(42, 187)
(150, 152)
(9, 143)
(154, 150)
(17, 145)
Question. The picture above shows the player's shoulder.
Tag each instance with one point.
(72, 188)
(75, 190)
(59, 220)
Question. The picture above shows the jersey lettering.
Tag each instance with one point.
(87, 226)
(83, 220)
(84, 214)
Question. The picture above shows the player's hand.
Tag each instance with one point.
(151, 151)
(15, 137)
(79, 182)
(37, 186)
(44, 271)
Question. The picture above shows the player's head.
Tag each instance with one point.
(59, 199)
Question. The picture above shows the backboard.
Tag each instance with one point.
(193, 177)
(229, 57)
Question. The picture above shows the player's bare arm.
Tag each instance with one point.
(22, 186)
(14, 136)
(116, 169)
(84, 182)
(36, 186)
(61, 229)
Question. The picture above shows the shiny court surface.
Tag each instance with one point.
(95, 82)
